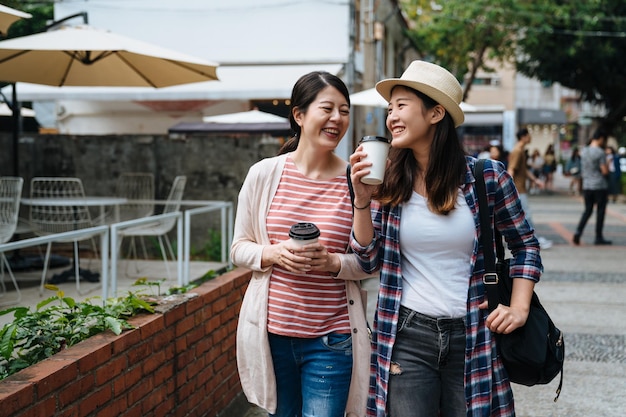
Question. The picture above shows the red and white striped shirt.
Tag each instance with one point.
(311, 304)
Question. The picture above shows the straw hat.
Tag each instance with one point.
(434, 81)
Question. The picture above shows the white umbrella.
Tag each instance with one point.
(5, 110)
(8, 16)
(370, 97)
(84, 56)
(253, 121)
(252, 116)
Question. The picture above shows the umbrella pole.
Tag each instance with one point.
(16, 130)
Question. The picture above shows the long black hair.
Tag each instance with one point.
(304, 92)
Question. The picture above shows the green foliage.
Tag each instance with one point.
(580, 44)
(59, 322)
(42, 12)
(212, 249)
(464, 37)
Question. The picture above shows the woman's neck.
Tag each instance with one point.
(316, 165)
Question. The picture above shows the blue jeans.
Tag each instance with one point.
(427, 367)
(312, 375)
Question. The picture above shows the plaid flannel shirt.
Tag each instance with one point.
(487, 388)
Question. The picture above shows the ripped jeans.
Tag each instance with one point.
(312, 375)
(427, 367)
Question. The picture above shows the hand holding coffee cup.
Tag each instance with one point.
(377, 149)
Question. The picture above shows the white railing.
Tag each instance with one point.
(103, 231)
(183, 220)
(110, 234)
(116, 227)
(226, 213)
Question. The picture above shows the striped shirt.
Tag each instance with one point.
(311, 304)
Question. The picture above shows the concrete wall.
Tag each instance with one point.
(215, 165)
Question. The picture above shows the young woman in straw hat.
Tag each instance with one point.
(435, 352)
(303, 346)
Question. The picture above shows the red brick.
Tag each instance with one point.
(152, 325)
(16, 396)
(137, 392)
(92, 402)
(184, 325)
(114, 367)
(75, 390)
(153, 362)
(174, 315)
(127, 339)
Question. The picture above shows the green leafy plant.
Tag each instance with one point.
(59, 322)
(212, 248)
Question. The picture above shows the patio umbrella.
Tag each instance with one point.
(84, 56)
(8, 16)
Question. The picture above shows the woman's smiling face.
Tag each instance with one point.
(408, 120)
(327, 118)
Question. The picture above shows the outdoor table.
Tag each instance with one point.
(89, 201)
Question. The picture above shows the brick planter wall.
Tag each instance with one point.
(178, 362)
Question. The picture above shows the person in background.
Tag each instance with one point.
(518, 169)
(302, 340)
(573, 170)
(435, 353)
(595, 186)
(615, 173)
(536, 164)
(497, 154)
(549, 167)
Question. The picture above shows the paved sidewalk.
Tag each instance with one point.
(583, 288)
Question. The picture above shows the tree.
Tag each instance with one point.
(580, 44)
(42, 13)
(465, 36)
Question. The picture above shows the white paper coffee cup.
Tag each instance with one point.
(377, 149)
(304, 233)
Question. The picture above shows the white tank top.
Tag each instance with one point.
(436, 253)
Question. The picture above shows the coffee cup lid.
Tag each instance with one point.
(374, 138)
(304, 231)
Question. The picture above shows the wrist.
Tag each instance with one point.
(362, 206)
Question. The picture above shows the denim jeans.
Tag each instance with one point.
(312, 375)
(427, 367)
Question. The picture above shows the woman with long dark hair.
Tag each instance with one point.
(434, 347)
(302, 340)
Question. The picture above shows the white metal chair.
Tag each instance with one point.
(160, 228)
(57, 216)
(135, 186)
(10, 196)
(138, 188)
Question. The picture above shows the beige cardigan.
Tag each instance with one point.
(254, 360)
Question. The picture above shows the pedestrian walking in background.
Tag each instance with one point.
(302, 340)
(518, 169)
(536, 164)
(615, 173)
(573, 170)
(594, 170)
(549, 167)
(433, 337)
